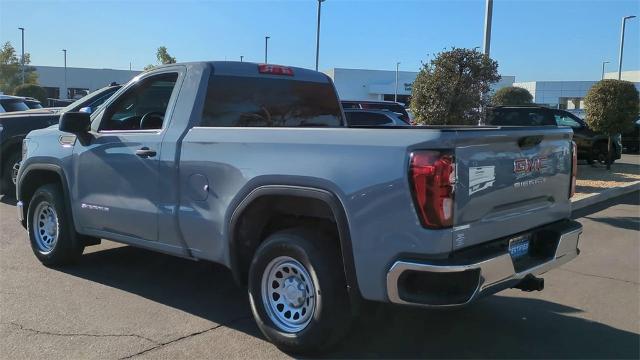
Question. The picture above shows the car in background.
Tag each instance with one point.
(33, 103)
(360, 117)
(14, 126)
(393, 106)
(12, 103)
(631, 139)
(592, 146)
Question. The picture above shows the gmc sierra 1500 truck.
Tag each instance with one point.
(251, 166)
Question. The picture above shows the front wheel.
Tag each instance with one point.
(53, 239)
(298, 291)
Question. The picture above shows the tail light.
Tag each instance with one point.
(574, 168)
(432, 175)
(275, 70)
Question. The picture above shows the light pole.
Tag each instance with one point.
(22, 57)
(604, 62)
(241, 58)
(318, 34)
(65, 73)
(266, 48)
(395, 97)
(624, 21)
(488, 13)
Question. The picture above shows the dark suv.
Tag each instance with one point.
(377, 105)
(591, 145)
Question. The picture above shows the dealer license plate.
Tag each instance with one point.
(519, 246)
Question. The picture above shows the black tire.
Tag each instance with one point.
(8, 174)
(320, 257)
(601, 152)
(67, 248)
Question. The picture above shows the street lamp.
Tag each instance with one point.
(604, 62)
(65, 73)
(318, 34)
(624, 21)
(488, 13)
(241, 58)
(395, 97)
(22, 57)
(266, 48)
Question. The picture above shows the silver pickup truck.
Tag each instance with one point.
(251, 166)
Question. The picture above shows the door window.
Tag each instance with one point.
(566, 120)
(142, 107)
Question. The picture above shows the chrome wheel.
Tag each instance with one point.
(288, 294)
(14, 172)
(45, 227)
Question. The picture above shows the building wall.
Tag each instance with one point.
(81, 78)
(633, 76)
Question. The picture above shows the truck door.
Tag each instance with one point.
(117, 178)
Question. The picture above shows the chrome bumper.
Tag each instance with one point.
(495, 274)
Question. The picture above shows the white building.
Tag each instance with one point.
(360, 84)
(80, 81)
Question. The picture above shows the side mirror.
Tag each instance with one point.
(75, 122)
(86, 109)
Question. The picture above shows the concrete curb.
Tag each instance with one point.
(605, 195)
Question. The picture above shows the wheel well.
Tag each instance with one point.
(271, 213)
(33, 180)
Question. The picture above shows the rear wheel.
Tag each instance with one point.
(53, 239)
(10, 174)
(601, 152)
(298, 292)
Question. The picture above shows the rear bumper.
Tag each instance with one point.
(446, 285)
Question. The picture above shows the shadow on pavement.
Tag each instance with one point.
(496, 327)
(628, 199)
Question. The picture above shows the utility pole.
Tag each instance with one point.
(624, 21)
(66, 89)
(266, 48)
(22, 57)
(488, 14)
(318, 34)
(395, 97)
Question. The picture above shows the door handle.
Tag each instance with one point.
(145, 152)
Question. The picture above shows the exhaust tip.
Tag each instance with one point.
(531, 283)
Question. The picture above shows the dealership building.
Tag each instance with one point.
(80, 81)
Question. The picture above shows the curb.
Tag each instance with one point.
(604, 196)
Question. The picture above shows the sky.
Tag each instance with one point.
(533, 40)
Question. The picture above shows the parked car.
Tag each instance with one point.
(12, 103)
(631, 139)
(377, 105)
(592, 146)
(251, 166)
(32, 103)
(358, 117)
(15, 126)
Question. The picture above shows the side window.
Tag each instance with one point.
(564, 120)
(367, 119)
(142, 107)
(243, 101)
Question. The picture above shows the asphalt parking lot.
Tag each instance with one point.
(120, 302)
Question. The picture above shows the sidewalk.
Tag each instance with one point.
(596, 184)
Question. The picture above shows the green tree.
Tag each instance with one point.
(511, 95)
(11, 69)
(450, 89)
(610, 107)
(31, 90)
(163, 57)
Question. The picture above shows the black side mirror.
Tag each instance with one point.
(75, 122)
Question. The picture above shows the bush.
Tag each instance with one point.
(511, 95)
(32, 90)
(610, 107)
(449, 90)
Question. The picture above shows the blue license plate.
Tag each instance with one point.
(519, 247)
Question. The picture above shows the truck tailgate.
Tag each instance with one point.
(510, 180)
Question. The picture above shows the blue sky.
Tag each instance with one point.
(533, 40)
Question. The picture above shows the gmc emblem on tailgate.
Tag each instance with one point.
(526, 166)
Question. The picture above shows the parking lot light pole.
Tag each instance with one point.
(241, 58)
(624, 21)
(604, 62)
(488, 14)
(66, 89)
(395, 97)
(318, 34)
(266, 48)
(22, 57)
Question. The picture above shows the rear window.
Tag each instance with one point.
(357, 118)
(13, 105)
(240, 101)
(521, 117)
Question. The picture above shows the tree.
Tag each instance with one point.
(611, 106)
(163, 57)
(511, 95)
(31, 90)
(11, 69)
(450, 88)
